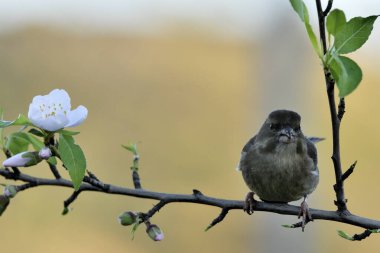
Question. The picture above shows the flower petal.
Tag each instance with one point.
(61, 98)
(16, 160)
(51, 123)
(77, 116)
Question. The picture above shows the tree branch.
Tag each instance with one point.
(364, 235)
(335, 117)
(166, 198)
(92, 184)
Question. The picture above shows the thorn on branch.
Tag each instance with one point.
(218, 219)
(197, 193)
(92, 175)
(344, 177)
(328, 8)
(349, 171)
(341, 107)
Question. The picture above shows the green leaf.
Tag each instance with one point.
(36, 132)
(313, 39)
(346, 73)
(301, 9)
(66, 132)
(287, 226)
(353, 34)
(17, 142)
(135, 227)
(345, 235)
(335, 20)
(20, 121)
(36, 143)
(132, 147)
(73, 158)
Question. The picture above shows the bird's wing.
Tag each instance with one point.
(312, 151)
(245, 150)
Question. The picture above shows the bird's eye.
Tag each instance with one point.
(274, 127)
(297, 129)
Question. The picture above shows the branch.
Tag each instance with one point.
(54, 170)
(328, 8)
(364, 235)
(349, 171)
(196, 197)
(335, 117)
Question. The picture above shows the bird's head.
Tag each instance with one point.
(283, 125)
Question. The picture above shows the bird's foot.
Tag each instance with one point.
(250, 203)
(305, 214)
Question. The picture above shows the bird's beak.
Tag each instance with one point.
(286, 135)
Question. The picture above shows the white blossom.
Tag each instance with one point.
(53, 111)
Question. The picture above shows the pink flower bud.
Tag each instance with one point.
(45, 153)
(155, 233)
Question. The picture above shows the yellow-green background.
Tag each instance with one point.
(190, 99)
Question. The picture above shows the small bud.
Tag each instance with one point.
(65, 210)
(23, 159)
(45, 153)
(345, 235)
(127, 218)
(155, 233)
(10, 191)
(4, 202)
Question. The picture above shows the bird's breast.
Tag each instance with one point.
(284, 175)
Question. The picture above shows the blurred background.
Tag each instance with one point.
(190, 82)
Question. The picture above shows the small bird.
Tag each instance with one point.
(279, 164)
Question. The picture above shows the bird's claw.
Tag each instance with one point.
(305, 214)
(250, 203)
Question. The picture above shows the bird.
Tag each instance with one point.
(279, 164)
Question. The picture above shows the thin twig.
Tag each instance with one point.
(196, 198)
(335, 121)
(136, 179)
(71, 199)
(218, 219)
(349, 171)
(328, 8)
(364, 235)
(156, 208)
(54, 170)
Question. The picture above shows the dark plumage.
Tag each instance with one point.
(279, 164)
